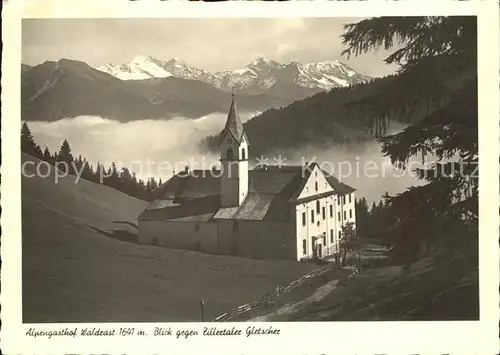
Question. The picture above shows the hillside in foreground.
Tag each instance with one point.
(441, 288)
(81, 262)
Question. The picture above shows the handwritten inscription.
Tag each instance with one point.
(180, 333)
(253, 330)
(213, 331)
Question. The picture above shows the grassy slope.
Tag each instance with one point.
(80, 263)
(433, 289)
(444, 289)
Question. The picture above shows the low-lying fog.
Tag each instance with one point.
(156, 147)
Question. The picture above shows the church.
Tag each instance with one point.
(268, 212)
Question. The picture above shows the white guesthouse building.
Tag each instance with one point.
(287, 212)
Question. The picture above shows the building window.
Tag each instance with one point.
(312, 216)
(316, 185)
(304, 246)
(197, 227)
(324, 239)
(229, 154)
(243, 154)
(338, 201)
(303, 218)
(331, 236)
(340, 235)
(350, 213)
(324, 212)
(343, 200)
(345, 214)
(331, 211)
(229, 141)
(349, 198)
(317, 206)
(338, 215)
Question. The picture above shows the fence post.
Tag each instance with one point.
(202, 305)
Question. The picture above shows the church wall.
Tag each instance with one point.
(227, 244)
(257, 239)
(179, 235)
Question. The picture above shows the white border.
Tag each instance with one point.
(296, 338)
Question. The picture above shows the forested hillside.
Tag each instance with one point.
(320, 120)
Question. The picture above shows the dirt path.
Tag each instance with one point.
(290, 308)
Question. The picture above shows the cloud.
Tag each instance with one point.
(141, 145)
(156, 147)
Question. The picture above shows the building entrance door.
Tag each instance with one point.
(320, 251)
(317, 248)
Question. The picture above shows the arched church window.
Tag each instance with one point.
(229, 154)
(243, 154)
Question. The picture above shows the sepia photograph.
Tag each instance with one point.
(249, 169)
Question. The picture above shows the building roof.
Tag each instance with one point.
(196, 196)
(233, 126)
(338, 185)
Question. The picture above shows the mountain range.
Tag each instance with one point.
(156, 89)
(257, 77)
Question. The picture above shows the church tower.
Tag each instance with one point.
(233, 146)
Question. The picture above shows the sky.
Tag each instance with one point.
(209, 44)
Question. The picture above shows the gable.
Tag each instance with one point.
(316, 184)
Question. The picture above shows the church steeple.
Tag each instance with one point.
(233, 146)
(234, 126)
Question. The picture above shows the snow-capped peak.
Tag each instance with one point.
(263, 63)
(260, 74)
(176, 60)
(140, 67)
(260, 61)
(139, 58)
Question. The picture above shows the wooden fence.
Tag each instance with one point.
(270, 299)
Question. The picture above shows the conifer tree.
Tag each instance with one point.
(64, 153)
(46, 155)
(435, 89)
(87, 172)
(28, 144)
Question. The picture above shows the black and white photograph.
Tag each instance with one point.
(309, 172)
(257, 171)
